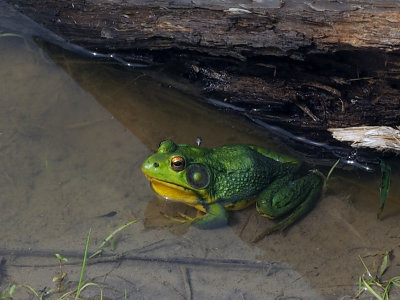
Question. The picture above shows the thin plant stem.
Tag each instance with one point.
(108, 238)
(331, 169)
(78, 291)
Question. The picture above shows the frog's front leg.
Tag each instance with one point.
(216, 216)
(286, 195)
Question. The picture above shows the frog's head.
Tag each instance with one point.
(175, 172)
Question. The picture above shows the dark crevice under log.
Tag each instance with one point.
(300, 64)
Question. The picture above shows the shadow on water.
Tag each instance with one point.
(69, 164)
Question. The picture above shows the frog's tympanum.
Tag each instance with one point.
(231, 178)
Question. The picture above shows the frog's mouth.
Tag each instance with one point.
(173, 192)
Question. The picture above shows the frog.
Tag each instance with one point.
(232, 177)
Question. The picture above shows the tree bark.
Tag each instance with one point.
(300, 64)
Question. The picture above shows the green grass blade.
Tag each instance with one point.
(65, 295)
(108, 238)
(371, 290)
(12, 289)
(365, 267)
(78, 291)
(331, 169)
(31, 289)
(90, 284)
(396, 281)
(384, 265)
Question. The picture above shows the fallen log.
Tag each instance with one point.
(304, 65)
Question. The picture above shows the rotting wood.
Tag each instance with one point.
(299, 64)
(382, 138)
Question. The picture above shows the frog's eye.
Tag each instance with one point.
(177, 163)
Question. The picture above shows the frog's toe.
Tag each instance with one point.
(187, 218)
(184, 219)
(280, 227)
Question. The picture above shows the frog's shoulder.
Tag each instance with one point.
(283, 158)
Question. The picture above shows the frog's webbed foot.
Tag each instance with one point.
(215, 216)
(184, 218)
(301, 210)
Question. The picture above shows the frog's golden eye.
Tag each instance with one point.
(177, 163)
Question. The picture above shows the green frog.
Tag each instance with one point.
(232, 177)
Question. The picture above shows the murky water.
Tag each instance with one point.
(73, 134)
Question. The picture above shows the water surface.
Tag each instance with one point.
(73, 134)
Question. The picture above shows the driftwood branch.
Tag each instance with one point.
(382, 138)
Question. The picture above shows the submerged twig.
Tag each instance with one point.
(308, 112)
(186, 282)
(385, 186)
(112, 258)
(3, 272)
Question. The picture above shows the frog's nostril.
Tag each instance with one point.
(156, 165)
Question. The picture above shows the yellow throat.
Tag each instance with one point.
(173, 192)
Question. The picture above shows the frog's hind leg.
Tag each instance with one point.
(301, 194)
